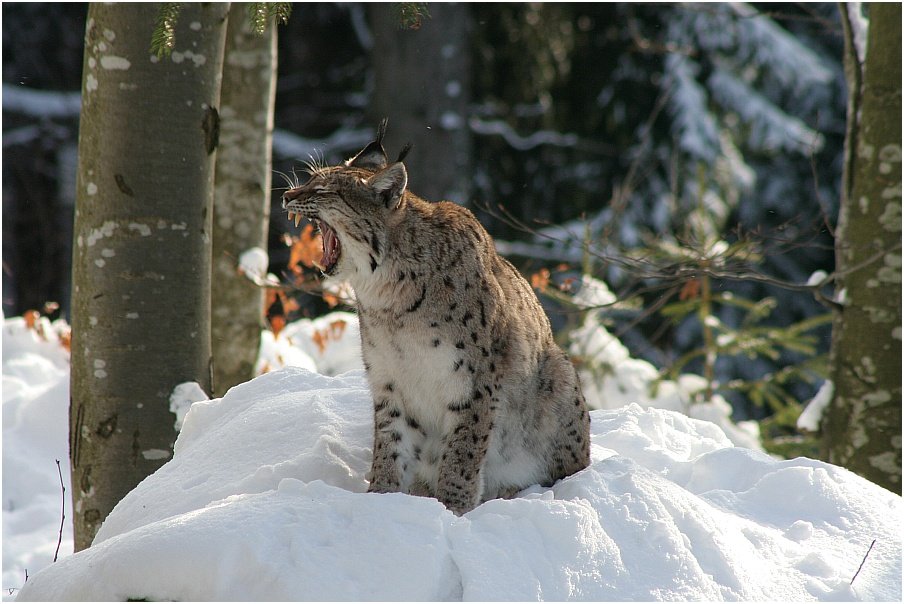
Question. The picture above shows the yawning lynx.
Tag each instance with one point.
(472, 397)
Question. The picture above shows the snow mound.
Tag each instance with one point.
(611, 378)
(35, 433)
(265, 499)
(330, 344)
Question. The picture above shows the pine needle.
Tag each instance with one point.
(260, 13)
(410, 15)
(163, 40)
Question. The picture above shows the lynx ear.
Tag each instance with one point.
(390, 184)
(373, 156)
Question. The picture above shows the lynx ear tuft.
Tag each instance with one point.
(373, 156)
(404, 152)
(390, 184)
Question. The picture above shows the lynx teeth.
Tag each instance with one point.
(294, 216)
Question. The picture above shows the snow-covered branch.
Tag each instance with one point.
(539, 251)
(519, 142)
(773, 129)
(859, 27)
(290, 145)
(697, 132)
(40, 103)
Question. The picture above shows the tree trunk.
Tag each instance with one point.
(862, 426)
(422, 84)
(242, 196)
(141, 261)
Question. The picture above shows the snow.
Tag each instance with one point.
(287, 144)
(611, 378)
(40, 103)
(859, 28)
(253, 263)
(264, 499)
(330, 345)
(817, 278)
(812, 414)
(182, 397)
(35, 433)
(772, 129)
(517, 141)
(694, 127)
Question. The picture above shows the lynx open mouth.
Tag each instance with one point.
(331, 248)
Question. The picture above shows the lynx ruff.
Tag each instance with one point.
(473, 399)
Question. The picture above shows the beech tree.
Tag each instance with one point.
(242, 195)
(862, 426)
(141, 267)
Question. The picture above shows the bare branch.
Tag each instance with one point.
(62, 513)
(863, 561)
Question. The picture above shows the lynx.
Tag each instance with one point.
(473, 399)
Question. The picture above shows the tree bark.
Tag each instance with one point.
(141, 265)
(242, 196)
(422, 84)
(862, 426)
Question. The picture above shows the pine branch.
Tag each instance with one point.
(410, 15)
(260, 13)
(163, 40)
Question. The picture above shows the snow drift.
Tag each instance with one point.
(265, 499)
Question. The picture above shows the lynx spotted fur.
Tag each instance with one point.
(473, 399)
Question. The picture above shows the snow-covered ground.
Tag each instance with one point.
(265, 499)
(35, 434)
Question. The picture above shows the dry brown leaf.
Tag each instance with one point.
(277, 323)
(337, 328)
(31, 318)
(306, 249)
(690, 290)
(540, 279)
(320, 339)
(66, 340)
(331, 333)
(289, 304)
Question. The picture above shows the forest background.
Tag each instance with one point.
(689, 155)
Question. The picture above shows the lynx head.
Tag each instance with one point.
(353, 204)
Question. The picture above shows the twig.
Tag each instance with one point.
(62, 512)
(863, 561)
(645, 268)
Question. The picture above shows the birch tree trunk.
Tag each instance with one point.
(242, 196)
(422, 83)
(862, 426)
(141, 260)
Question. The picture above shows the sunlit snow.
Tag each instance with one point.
(265, 499)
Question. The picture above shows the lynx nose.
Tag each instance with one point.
(290, 195)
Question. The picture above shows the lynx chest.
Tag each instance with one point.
(422, 368)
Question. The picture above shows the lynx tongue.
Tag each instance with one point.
(331, 247)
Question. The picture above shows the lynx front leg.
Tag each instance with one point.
(460, 484)
(386, 470)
